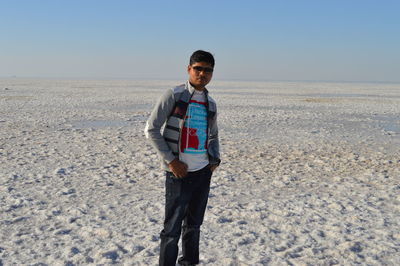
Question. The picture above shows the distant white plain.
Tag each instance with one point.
(310, 174)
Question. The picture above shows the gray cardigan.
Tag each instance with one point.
(165, 123)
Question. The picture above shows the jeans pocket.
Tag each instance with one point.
(172, 185)
(209, 168)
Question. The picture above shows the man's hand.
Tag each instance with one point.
(178, 168)
(213, 167)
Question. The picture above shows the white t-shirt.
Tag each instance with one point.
(193, 140)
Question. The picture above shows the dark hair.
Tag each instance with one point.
(202, 56)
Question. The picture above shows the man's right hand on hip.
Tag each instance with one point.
(178, 168)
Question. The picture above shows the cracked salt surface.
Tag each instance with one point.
(100, 124)
(307, 177)
(389, 123)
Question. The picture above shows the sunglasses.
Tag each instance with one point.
(205, 69)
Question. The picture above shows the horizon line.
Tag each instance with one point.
(217, 79)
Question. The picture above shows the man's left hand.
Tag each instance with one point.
(213, 167)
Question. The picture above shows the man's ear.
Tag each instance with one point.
(188, 68)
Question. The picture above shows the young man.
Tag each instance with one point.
(183, 129)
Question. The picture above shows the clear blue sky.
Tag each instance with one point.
(349, 40)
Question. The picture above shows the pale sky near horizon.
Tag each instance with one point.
(339, 40)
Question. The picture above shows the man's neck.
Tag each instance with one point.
(197, 88)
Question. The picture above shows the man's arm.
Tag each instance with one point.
(213, 145)
(158, 116)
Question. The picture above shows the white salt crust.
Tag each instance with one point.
(309, 176)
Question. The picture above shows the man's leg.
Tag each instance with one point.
(176, 201)
(194, 218)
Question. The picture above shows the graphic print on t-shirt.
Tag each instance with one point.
(194, 131)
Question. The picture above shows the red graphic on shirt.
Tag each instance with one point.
(193, 133)
(194, 101)
(192, 139)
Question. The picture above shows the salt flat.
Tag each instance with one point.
(310, 174)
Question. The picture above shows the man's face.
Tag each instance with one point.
(200, 74)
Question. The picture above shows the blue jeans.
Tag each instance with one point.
(185, 201)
